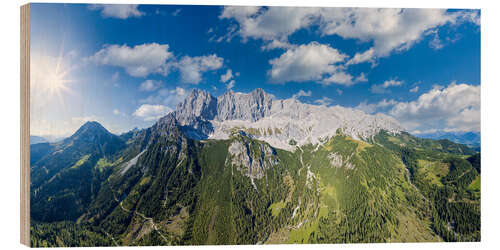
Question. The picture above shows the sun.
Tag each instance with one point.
(56, 81)
(50, 76)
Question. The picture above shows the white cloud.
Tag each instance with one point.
(239, 12)
(150, 85)
(302, 93)
(178, 91)
(231, 32)
(339, 91)
(437, 86)
(414, 90)
(367, 56)
(230, 84)
(391, 82)
(343, 78)
(120, 11)
(388, 29)
(378, 89)
(143, 60)
(454, 108)
(470, 16)
(176, 12)
(118, 112)
(139, 61)
(149, 112)
(227, 76)
(276, 44)
(361, 78)
(192, 68)
(325, 101)
(382, 88)
(115, 77)
(272, 23)
(311, 62)
(374, 107)
(167, 97)
(436, 43)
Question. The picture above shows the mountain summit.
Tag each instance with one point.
(90, 128)
(275, 121)
(275, 171)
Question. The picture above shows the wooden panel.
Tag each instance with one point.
(25, 124)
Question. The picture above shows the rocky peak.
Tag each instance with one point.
(167, 126)
(199, 104)
(167, 122)
(275, 121)
(250, 157)
(90, 129)
(91, 125)
(239, 106)
(260, 94)
(92, 136)
(231, 105)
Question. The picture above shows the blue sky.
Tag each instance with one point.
(127, 65)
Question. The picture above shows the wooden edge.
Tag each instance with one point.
(25, 124)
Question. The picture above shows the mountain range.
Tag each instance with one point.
(37, 139)
(274, 121)
(472, 139)
(245, 168)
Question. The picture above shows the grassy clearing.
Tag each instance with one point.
(395, 140)
(301, 234)
(433, 171)
(276, 208)
(278, 237)
(81, 161)
(176, 223)
(475, 185)
(103, 163)
(361, 144)
(411, 229)
(145, 180)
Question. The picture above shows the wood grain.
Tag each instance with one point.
(25, 124)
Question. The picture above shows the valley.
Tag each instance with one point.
(247, 169)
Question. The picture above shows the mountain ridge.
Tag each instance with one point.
(274, 121)
(211, 173)
(472, 139)
(34, 139)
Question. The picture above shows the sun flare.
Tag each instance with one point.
(50, 75)
(56, 82)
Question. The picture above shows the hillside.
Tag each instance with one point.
(471, 139)
(247, 169)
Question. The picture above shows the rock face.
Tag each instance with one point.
(246, 107)
(198, 104)
(338, 161)
(274, 121)
(251, 161)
